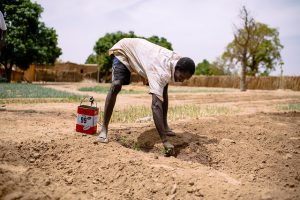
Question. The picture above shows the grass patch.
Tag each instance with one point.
(195, 90)
(129, 114)
(128, 143)
(98, 89)
(289, 107)
(196, 111)
(32, 91)
(105, 89)
(36, 100)
(134, 113)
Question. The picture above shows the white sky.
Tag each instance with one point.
(199, 29)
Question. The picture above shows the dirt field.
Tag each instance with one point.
(253, 153)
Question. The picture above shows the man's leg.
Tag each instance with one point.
(110, 101)
(165, 106)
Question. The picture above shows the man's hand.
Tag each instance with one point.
(169, 148)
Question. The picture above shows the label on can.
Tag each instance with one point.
(87, 121)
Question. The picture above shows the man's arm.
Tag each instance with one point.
(157, 110)
(166, 102)
(165, 105)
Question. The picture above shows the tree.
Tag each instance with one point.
(103, 44)
(203, 68)
(218, 67)
(255, 48)
(160, 41)
(28, 40)
(209, 69)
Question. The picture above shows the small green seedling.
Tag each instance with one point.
(167, 152)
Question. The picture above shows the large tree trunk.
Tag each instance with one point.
(2, 41)
(8, 70)
(243, 86)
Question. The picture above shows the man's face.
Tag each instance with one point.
(181, 76)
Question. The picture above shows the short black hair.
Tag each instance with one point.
(186, 64)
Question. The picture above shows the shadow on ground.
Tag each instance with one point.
(188, 146)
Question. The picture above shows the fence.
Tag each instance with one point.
(262, 83)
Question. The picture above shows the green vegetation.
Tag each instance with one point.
(202, 68)
(209, 69)
(128, 143)
(255, 48)
(129, 114)
(194, 111)
(104, 89)
(289, 107)
(28, 40)
(195, 90)
(123, 141)
(33, 91)
(98, 89)
(135, 113)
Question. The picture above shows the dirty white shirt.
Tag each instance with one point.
(152, 62)
(2, 22)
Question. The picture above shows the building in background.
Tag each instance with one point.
(60, 72)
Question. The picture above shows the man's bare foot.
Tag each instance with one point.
(102, 137)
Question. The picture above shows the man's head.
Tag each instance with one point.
(184, 69)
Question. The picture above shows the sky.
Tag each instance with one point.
(199, 29)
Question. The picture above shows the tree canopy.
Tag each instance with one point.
(103, 44)
(28, 40)
(215, 68)
(203, 68)
(256, 47)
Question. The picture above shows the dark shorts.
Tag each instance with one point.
(120, 71)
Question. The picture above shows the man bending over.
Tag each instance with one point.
(154, 63)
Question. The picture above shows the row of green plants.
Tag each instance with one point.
(19, 90)
(38, 93)
(289, 107)
(105, 88)
(133, 114)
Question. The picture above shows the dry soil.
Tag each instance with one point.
(251, 154)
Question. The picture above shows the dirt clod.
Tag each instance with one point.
(191, 183)
(13, 196)
(36, 155)
(47, 182)
(174, 189)
(69, 180)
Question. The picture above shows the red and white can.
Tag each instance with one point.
(87, 118)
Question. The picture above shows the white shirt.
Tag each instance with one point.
(153, 62)
(2, 22)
